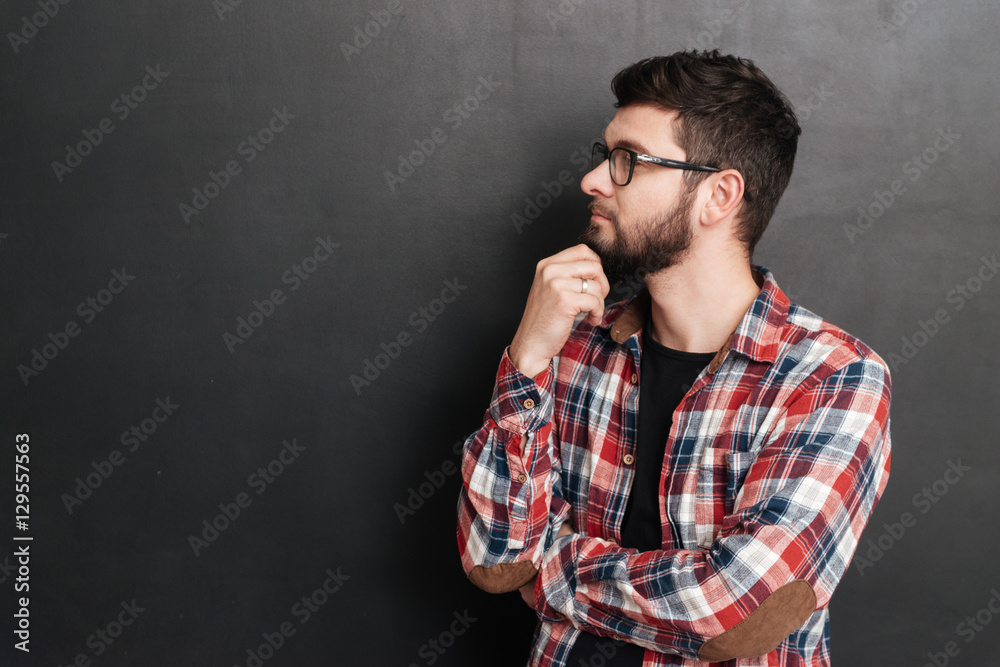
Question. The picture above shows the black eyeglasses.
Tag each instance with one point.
(621, 162)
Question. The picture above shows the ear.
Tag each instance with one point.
(725, 196)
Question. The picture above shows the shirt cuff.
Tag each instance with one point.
(519, 403)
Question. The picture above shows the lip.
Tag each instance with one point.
(597, 217)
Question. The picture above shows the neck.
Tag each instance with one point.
(697, 304)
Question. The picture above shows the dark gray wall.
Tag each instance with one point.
(876, 84)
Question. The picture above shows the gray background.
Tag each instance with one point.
(873, 83)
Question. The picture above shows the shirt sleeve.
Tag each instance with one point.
(507, 495)
(779, 554)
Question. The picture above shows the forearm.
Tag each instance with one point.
(509, 475)
(671, 601)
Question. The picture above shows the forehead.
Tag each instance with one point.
(643, 128)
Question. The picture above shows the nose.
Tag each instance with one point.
(597, 181)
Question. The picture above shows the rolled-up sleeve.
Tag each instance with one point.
(507, 493)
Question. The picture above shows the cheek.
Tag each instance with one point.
(654, 202)
(636, 204)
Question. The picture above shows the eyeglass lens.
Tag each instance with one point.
(620, 162)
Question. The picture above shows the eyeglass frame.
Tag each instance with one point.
(641, 157)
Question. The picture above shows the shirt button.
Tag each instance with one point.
(635, 378)
(617, 638)
(522, 478)
(628, 459)
(528, 403)
(612, 540)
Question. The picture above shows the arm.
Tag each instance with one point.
(510, 483)
(528, 590)
(511, 478)
(779, 554)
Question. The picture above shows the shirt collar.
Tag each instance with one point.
(757, 335)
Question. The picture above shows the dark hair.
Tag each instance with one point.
(729, 115)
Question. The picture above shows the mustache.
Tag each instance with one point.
(601, 209)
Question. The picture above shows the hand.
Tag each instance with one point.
(565, 529)
(554, 301)
(528, 590)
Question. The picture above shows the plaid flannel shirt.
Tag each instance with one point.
(775, 460)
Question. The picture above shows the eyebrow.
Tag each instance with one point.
(625, 143)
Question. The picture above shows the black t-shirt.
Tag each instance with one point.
(665, 376)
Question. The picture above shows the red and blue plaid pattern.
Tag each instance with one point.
(776, 458)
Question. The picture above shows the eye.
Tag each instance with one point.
(621, 163)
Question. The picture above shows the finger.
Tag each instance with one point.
(579, 251)
(575, 253)
(590, 270)
(592, 304)
(572, 289)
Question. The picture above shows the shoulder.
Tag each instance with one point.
(811, 346)
(802, 349)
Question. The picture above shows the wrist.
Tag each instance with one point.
(529, 365)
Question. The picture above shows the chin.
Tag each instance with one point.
(596, 239)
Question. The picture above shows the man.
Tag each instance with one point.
(680, 478)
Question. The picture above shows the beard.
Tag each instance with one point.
(654, 242)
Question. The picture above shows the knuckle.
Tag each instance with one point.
(568, 303)
(548, 272)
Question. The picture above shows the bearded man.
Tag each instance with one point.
(682, 477)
